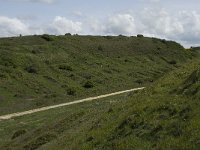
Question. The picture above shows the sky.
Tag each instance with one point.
(177, 20)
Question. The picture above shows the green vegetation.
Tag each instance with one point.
(163, 116)
(37, 71)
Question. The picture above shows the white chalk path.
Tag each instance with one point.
(18, 114)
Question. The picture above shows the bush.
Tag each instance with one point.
(121, 36)
(40, 141)
(65, 67)
(47, 37)
(18, 133)
(68, 34)
(173, 62)
(100, 48)
(139, 81)
(31, 69)
(88, 85)
(71, 91)
(163, 41)
(140, 35)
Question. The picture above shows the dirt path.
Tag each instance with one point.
(9, 116)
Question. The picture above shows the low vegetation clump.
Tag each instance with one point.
(65, 67)
(31, 69)
(18, 133)
(38, 142)
(47, 37)
(140, 36)
(88, 85)
(71, 91)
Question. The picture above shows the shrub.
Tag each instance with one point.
(164, 41)
(100, 48)
(68, 34)
(139, 81)
(158, 48)
(88, 85)
(18, 133)
(40, 141)
(65, 67)
(140, 35)
(121, 36)
(47, 37)
(31, 69)
(71, 91)
(173, 62)
(3, 75)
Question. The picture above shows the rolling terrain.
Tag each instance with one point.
(165, 115)
(37, 71)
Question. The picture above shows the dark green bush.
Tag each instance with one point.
(68, 34)
(140, 35)
(88, 85)
(31, 69)
(18, 133)
(40, 141)
(173, 62)
(100, 48)
(47, 37)
(71, 91)
(65, 67)
(163, 41)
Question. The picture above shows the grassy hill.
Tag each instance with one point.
(43, 70)
(163, 116)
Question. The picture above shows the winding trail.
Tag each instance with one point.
(9, 116)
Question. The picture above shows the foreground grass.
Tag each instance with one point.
(164, 116)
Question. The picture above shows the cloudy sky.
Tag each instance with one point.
(171, 19)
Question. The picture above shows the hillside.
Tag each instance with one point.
(37, 71)
(163, 116)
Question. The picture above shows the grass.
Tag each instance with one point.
(159, 117)
(163, 116)
(37, 71)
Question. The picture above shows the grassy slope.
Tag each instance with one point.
(37, 71)
(164, 116)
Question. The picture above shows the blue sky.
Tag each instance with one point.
(173, 19)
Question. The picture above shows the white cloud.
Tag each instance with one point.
(120, 24)
(160, 23)
(12, 27)
(154, 1)
(44, 1)
(61, 25)
(38, 1)
(183, 26)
